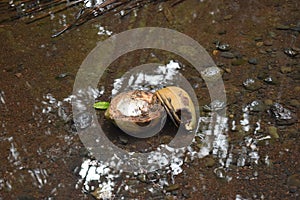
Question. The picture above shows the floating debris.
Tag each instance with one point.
(102, 105)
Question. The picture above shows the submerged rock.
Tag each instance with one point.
(226, 54)
(282, 115)
(172, 187)
(268, 102)
(294, 182)
(238, 62)
(271, 80)
(215, 105)
(252, 84)
(290, 52)
(268, 43)
(123, 139)
(282, 27)
(222, 47)
(142, 178)
(295, 103)
(273, 132)
(253, 61)
(209, 162)
(256, 106)
(83, 120)
(285, 69)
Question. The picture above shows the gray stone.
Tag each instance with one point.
(228, 55)
(253, 61)
(172, 187)
(273, 132)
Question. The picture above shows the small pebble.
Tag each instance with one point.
(62, 75)
(186, 193)
(259, 44)
(238, 62)
(297, 89)
(166, 139)
(282, 115)
(290, 52)
(294, 180)
(227, 17)
(268, 102)
(222, 32)
(252, 84)
(142, 178)
(282, 27)
(228, 55)
(295, 103)
(253, 61)
(271, 80)
(220, 172)
(269, 50)
(261, 51)
(272, 34)
(209, 162)
(268, 43)
(18, 75)
(285, 69)
(172, 187)
(273, 132)
(258, 39)
(257, 106)
(215, 52)
(123, 139)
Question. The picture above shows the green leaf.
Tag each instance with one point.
(101, 105)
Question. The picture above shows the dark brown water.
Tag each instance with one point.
(255, 157)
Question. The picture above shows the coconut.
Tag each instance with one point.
(137, 112)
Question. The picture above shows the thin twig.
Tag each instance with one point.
(24, 8)
(54, 11)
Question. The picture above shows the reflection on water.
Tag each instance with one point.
(103, 181)
(94, 171)
(2, 97)
(212, 132)
(148, 78)
(39, 177)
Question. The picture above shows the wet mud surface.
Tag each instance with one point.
(256, 154)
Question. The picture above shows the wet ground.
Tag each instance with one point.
(256, 153)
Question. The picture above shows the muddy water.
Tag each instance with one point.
(255, 154)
